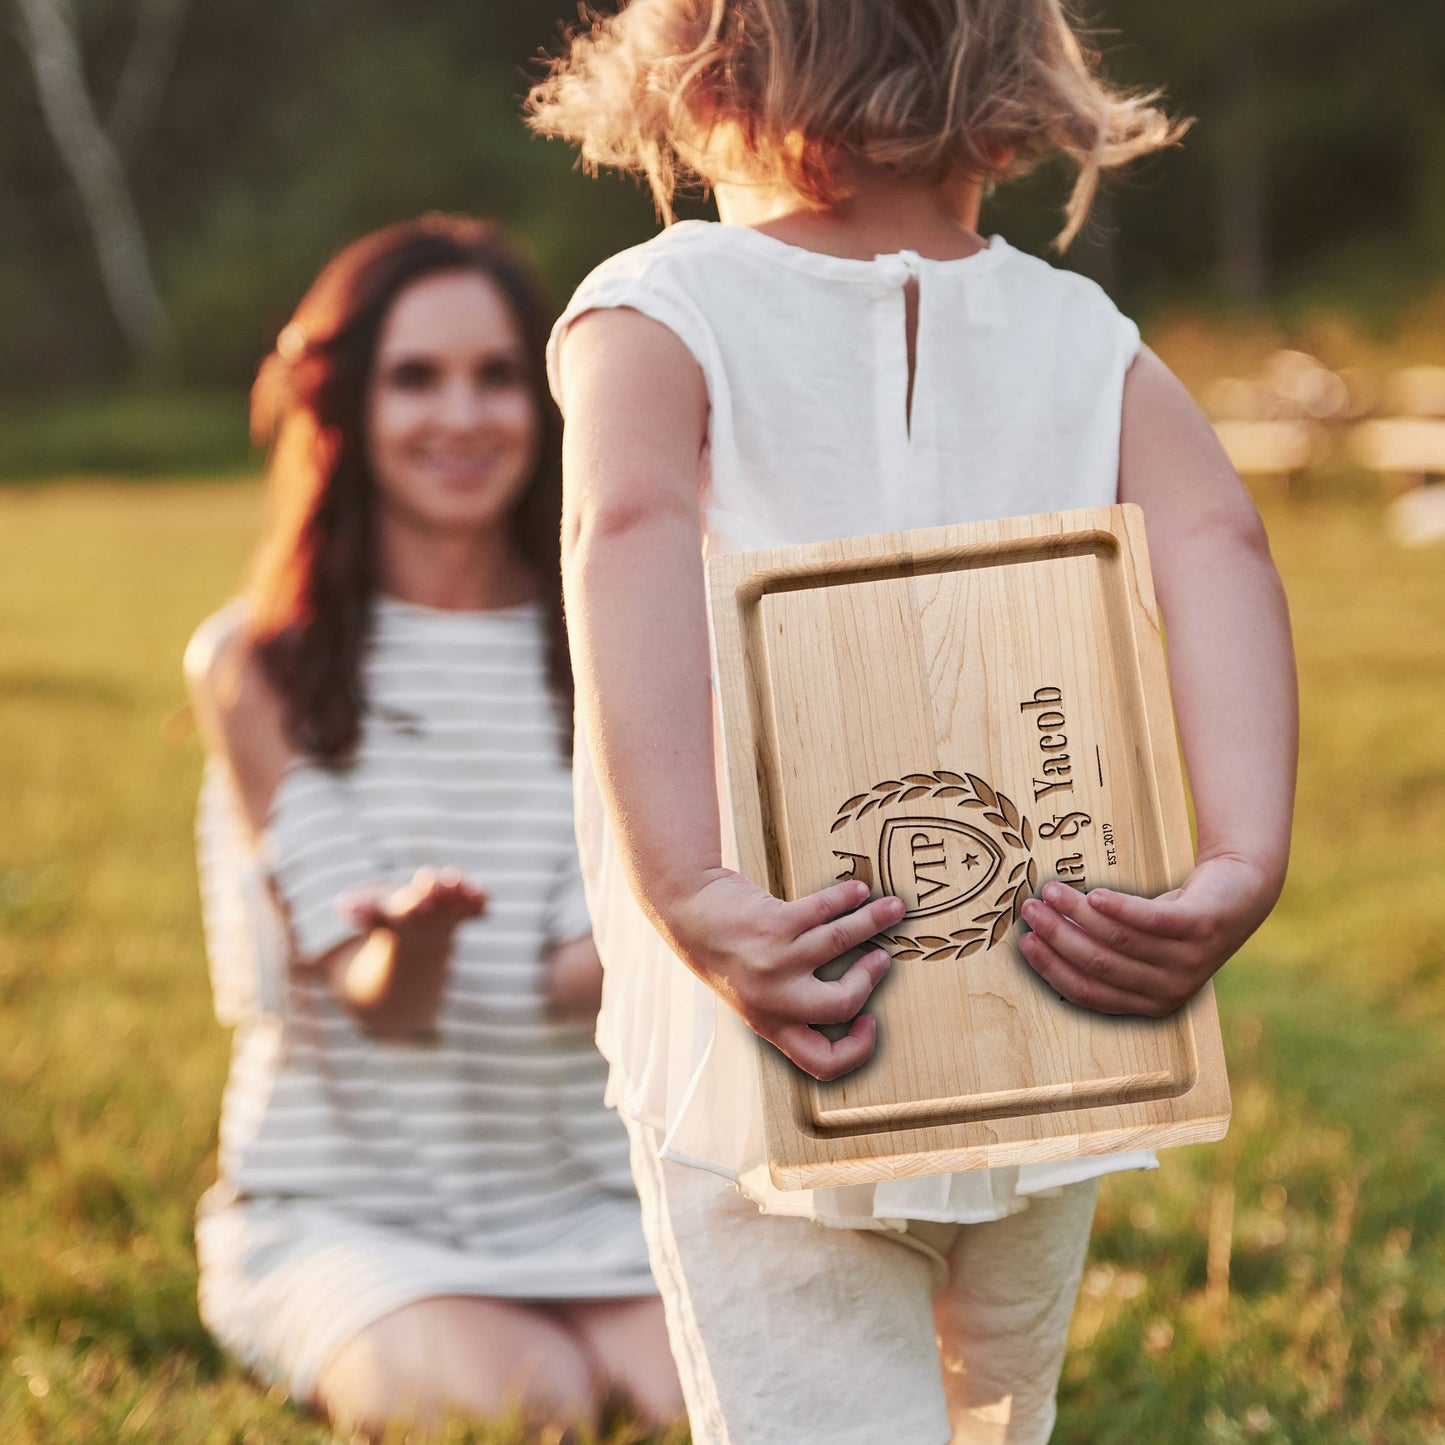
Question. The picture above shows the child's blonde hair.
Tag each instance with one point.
(711, 90)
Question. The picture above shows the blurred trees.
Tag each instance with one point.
(93, 153)
(1317, 161)
(289, 126)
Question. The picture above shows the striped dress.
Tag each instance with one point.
(358, 1175)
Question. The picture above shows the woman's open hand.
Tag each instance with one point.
(435, 902)
(760, 954)
(1118, 954)
(391, 981)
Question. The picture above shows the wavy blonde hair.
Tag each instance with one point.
(687, 91)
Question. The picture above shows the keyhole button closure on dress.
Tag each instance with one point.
(901, 272)
(899, 269)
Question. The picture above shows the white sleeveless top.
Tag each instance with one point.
(1018, 387)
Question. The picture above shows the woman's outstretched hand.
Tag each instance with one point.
(759, 954)
(435, 900)
(392, 980)
(1118, 954)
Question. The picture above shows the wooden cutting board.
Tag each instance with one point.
(958, 715)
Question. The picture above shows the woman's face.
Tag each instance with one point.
(452, 430)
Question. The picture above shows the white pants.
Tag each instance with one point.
(788, 1332)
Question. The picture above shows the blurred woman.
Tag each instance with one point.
(423, 1205)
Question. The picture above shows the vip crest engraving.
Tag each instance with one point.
(935, 864)
(939, 864)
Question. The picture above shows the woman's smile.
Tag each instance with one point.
(462, 469)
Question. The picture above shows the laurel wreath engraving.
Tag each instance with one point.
(927, 946)
(965, 790)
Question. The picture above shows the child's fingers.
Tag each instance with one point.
(824, 905)
(832, 940)
(1112, 933)
(1166, 915)
(838, 1000)
(826, 1058)
(1084, 953)
(1069, 982)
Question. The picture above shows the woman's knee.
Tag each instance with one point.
(628, 1342)
(371, 1379)
(473, 1357)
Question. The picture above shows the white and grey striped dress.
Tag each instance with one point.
(358, 1175)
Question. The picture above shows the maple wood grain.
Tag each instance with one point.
(958, 715)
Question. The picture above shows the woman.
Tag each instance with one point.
(423, 1205)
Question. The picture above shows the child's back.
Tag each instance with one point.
(820, 422)
(845, 397)
(802, 373)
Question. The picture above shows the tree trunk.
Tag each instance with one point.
(96, 170)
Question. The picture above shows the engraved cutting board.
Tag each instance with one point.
(957, 715)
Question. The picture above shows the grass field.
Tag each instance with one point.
(1287, 1285)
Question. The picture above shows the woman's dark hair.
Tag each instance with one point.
(315, 572)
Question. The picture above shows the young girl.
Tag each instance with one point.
(423, 1205)
(844, 354)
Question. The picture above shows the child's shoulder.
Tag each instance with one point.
(658, 278)
(1030, 273)
(1070, 311)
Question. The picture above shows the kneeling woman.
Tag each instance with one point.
(423, 1205)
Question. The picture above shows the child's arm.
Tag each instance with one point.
(1231, 668)
(633, 582)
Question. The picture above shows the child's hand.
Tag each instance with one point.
(1123, 955)
(759, 954)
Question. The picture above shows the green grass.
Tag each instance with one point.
(1287, 1285)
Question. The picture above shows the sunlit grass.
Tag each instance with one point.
(1287, 1285)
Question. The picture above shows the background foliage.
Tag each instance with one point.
(1317, 170)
